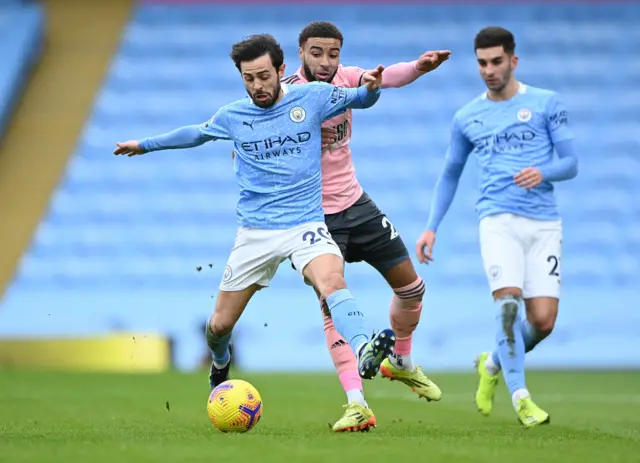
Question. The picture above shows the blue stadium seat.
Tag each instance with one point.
(21, 37)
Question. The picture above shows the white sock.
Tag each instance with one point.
(220, 366)
(519, 394)
(401, 362)
(356, 396)
(491, 367)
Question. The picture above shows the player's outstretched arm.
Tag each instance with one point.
(445, 190)
(338, 99)
(365, 97)
(401, 74)
(184, 137)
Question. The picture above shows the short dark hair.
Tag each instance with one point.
(495, 37)
(256, 46)
(320, 30)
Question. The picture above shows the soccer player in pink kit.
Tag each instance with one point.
(359, 228)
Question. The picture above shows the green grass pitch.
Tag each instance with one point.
(58, 417)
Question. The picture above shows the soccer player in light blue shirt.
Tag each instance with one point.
(512, 130)
(276, 133)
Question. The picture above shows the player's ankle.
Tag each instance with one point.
(402, 362)
(491, 366)
(220, 364)
(356, 396)
(519, 394)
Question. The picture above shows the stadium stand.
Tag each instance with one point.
(145, 223)
(150, 221)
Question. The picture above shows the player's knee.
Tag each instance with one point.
(507, 304)
(544, 329)
(330, 283)
(219, 326)
(507, 293)
(542, 313)
(543, 325)
(411, 294)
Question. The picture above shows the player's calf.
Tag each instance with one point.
(219, 342)
(325, 272)
(542, 313)
(218, 336)
(509, 340)
(404, 313)
(406, 307)
(345, 363)
(406, 302)
(229, 307)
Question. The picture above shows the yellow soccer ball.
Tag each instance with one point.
(234, 406)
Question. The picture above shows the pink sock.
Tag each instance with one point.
(406, 306)
(343, 359)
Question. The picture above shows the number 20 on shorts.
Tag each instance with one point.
(312, 236)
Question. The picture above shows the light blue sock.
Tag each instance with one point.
(347, 318)
(510, 343)
(219, 347)
(530, 337)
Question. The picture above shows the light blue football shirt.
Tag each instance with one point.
(278, 150)
(505, 137)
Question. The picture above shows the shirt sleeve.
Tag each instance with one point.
(353, 75)
(184, 137)
(336, 100)
(565, 167)
(459, 149)
(400, 74)
(217, 127)
(557, 120)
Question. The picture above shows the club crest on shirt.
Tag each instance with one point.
(524, 115)
(495, 272)
(297, 114)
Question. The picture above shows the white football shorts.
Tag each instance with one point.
(257, 253)
(518, 252)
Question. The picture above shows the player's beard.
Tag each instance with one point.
(503, 81)
(269, 102)
(311, 78)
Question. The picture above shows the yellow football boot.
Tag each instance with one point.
(356, 418)
(530, 415)
(487, 385)
(415, 379)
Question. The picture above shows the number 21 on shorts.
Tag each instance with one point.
(555, 262)
(386, 223)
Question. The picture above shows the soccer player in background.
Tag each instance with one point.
(359, 228)
(277, 140)
(512, 129)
